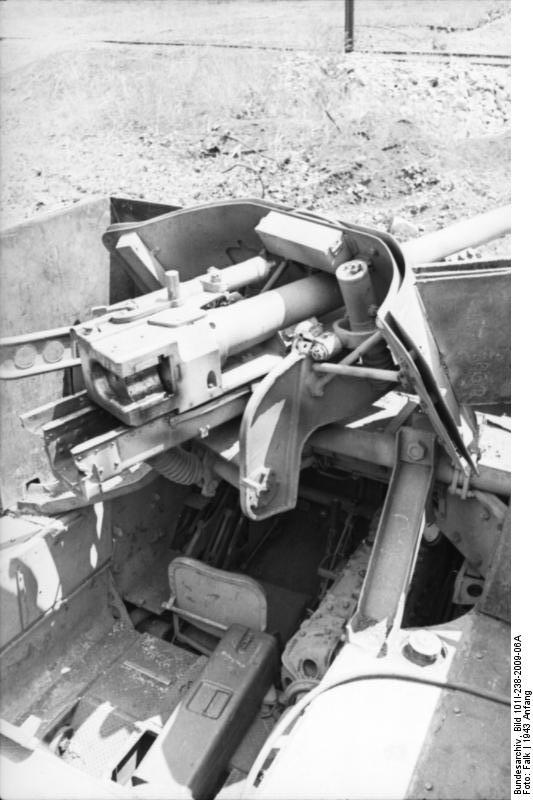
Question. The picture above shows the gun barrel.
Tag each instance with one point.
(466, 233)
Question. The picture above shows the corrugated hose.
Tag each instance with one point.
(179, 466)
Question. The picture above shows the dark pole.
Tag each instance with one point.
(348, 26)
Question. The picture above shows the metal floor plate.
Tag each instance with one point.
(146, 683)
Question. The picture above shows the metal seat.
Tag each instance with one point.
(205, 601)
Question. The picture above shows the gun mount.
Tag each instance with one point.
(272, 366)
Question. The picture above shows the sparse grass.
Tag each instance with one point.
(95, 88)
(186, 92)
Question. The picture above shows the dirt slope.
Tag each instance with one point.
(360, 136)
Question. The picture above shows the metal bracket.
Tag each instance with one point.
(140, 262)
(89, 452)
(280, 416)
(462, 478)
(399, 531)
(37, 353)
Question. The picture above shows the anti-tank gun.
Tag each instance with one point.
(265, 341)
(323, 309)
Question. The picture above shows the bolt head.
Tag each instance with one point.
(423, 647)
(416, 451)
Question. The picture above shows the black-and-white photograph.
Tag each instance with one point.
(255, 402)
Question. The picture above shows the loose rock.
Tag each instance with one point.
(403, 228)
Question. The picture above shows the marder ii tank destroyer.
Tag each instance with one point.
(256, 494)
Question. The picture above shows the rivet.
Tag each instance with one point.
(53, 351)
(25, 356)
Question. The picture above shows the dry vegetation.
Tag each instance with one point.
(360, 136)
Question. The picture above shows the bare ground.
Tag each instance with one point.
(359, 136)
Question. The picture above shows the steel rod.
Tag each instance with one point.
(363, 348)
(348, 26)
(274, 277)
(188, 616)
(358, 372)
(372, 447)
(379, 448)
